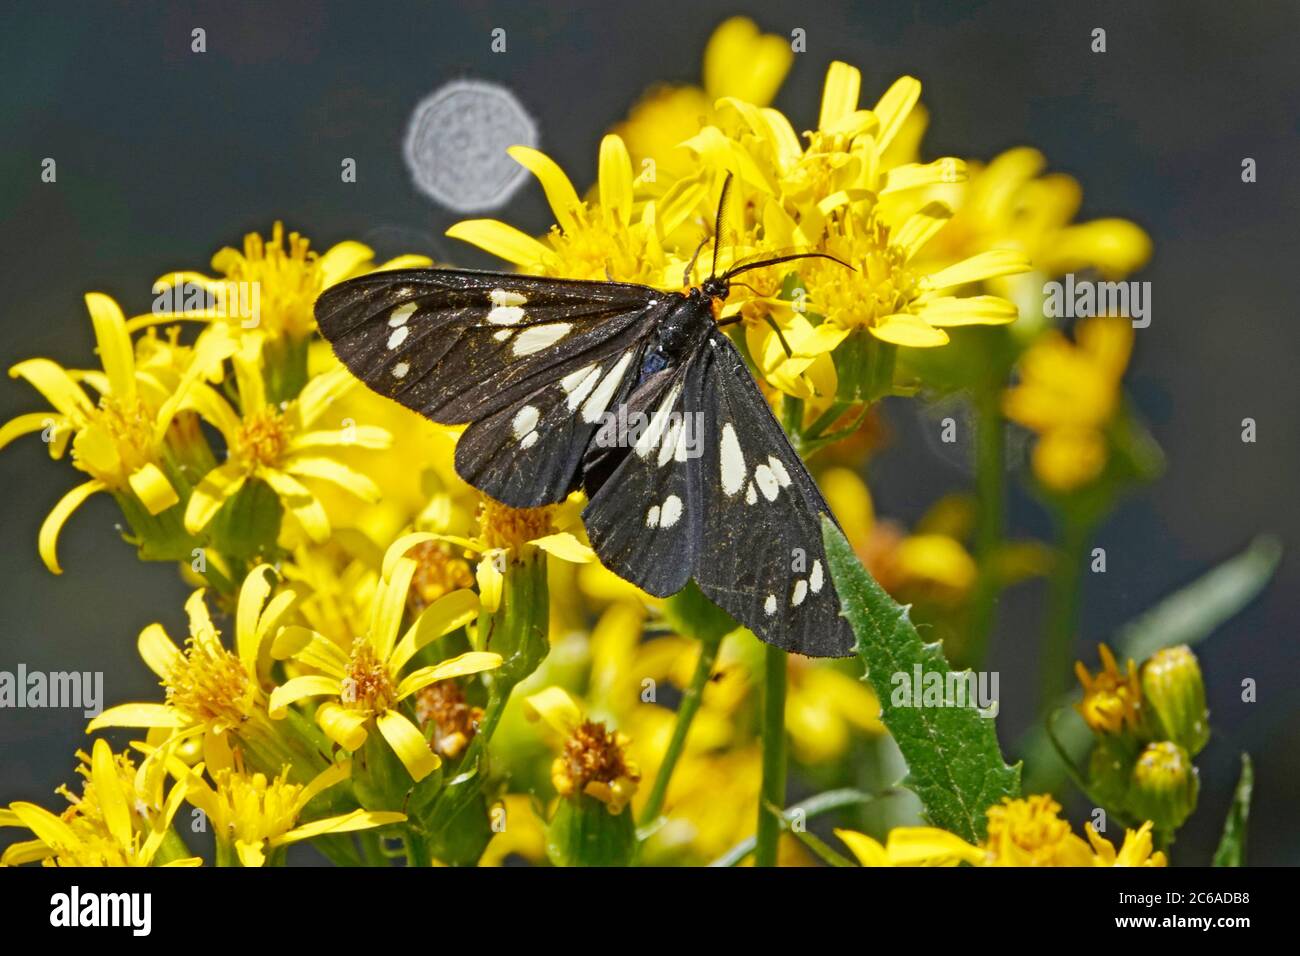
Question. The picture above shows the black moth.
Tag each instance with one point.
(544, 370)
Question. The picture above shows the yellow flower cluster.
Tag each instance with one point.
(387, 621)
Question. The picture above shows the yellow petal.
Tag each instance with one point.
(408, 261)
(565, 547)
(212, 348)
(910, 846)
(25, 425)
(336, 473)
(504, 242)
(310, 648)
(397, 550)
(985, 265)
(343, 261)
(839, 94)
(344, 726)
(47, 827)
(867, 850)
(110, 793)
(909, 331)
(48, 539)
(370, 437)
(740, 61)
(321, 392)
(409, 745)
(212, 492)
(345, 823)
(300, 688)
(214, 409)
(54, 383)
(554, 707)
(300, 502)
(114, 343)
(450, 612)
(25, 851)
(920, 228)
(389, 608)
(153, 489)
(334, 774)
(252, 596)
(136, 715)
(559, 191)
(491, 583)
(948, 311)
(894, 108)
(471, 662)
(250, 853)
(920, 175)
(615, 182)
(247, 362)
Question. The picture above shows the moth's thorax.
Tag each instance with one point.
(687, 320)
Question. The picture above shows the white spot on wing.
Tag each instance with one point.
(815, 579)
(800, 592)
(503, 297)
(503, 334)
(400, 314)
(652, 517)
(778, 469)
(751, 494)
(538, 337)
(672, 510)
(528, 440)
(654, 431)
(578, 384)
(769, 606)
(400, 370)
(506, 315)
(604, 392)
(732, 461)
(767, 482)
(399, 336)
(525, 420)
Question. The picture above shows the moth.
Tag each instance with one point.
(544, 371)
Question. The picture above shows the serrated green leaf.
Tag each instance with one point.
(954, 763)
(1232, 845)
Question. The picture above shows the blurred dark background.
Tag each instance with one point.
(164, 156)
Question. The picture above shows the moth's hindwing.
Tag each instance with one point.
(761, 555)
(531, 363)
(646, 517)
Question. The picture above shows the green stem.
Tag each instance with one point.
(1064, 588)
(990, 488)
(772, 792)
(417, 848)
(814, 806)
(686, 711)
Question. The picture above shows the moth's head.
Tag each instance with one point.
(716, 287)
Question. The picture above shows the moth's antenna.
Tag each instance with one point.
(717, 226)
(686, 276)
(779, 259)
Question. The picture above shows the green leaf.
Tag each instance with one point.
(1188, 616)
(1232, 846)
(954, 763)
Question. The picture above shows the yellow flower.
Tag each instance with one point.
(602, 239)
(824, 707)
(593, 760)
(211, 691)
(930, 563)
(110, 824)
(1112, 701)
(288, 280)
(739, 61)
(1009, 203)
(280, 445)
(1027, 832)
(258, 816)
(840, 196)
(1069, 393)
(364, 684)
(120, 439)
(513, 534)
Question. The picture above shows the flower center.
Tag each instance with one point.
(1032, 825)
(263, 437)
(503, 527)
(437, 572)
(368, 685)
(455, 722)
(210, 683)
(594, 763)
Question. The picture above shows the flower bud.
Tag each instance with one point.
(584, 832)
(1164, 786)
(1175, 697)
